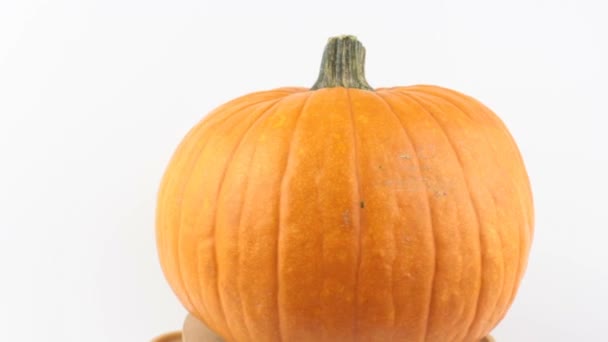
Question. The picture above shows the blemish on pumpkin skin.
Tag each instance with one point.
(405, 156)
(440, 193)
(362, 204)
(346, 217)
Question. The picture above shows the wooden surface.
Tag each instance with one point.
(175, 336)
(195, 331)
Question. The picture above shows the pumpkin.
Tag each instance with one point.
(346, 213)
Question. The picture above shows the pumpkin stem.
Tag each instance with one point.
(343, 64)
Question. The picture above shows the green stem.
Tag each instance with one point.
(343, 64)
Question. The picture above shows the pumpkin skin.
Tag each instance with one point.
(344, 214)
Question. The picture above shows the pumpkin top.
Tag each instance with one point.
(343, 64)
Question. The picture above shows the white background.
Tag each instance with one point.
(95, 95)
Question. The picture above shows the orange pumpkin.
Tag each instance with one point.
(346, 213)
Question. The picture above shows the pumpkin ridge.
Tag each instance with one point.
(522, 258)
(195, 131)
(203, 124)
(475, 318)
(519, 270)
(280, 205)
(393, 324)
(529, 213)
(474, 206)
(429, 207)
(247, 107)
(231, 113)
(195, 161)
(428, 110)
(177, 248)
(268, 112)
(433, 288)
(427, 92)
(359, 195)
(522, 255)
(242, 103)
(498, 300)
(263, 113)
(512, 143)
(502, 287)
